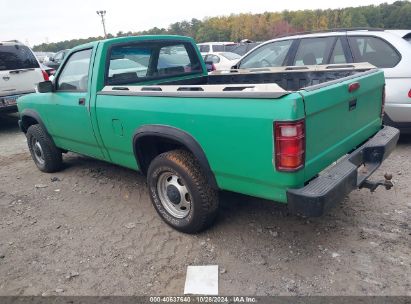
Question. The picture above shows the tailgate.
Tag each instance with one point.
(337, 120)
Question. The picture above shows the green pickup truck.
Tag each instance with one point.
(303, 136)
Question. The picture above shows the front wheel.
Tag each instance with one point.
(45, 154)
(180, 191)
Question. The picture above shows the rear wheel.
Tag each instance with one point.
(45, 154)
(180, 192)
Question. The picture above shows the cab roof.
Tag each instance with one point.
(134, 39)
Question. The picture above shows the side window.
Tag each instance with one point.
(374, 50)
(312, 51)
(338, 56)
(204, 48)
(270, 55)
(74, 76)
(130, 64)
(218, 48)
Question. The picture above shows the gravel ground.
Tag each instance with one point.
(91, 230)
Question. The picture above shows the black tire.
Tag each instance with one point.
(49, 160)
(203, 199)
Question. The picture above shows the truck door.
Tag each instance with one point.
(69, 113)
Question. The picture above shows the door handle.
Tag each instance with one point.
(82, 101)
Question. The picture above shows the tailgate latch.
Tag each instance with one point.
(386, 182)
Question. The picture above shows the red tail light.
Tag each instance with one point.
(45, 75)
(289, 145)
(353, 87)
(383, 102)
(409, 94)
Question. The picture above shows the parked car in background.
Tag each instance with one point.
(222, 60)
(389, 50)
(19, 73)
(242, 48)
(43, 56)
(55, 61)
(213, 47)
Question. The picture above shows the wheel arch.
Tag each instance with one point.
(30, 117)
(152, 140)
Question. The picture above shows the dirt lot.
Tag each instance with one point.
(91, 230)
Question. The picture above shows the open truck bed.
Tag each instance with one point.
(341, 105)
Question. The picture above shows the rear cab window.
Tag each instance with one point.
(15, 57)
(154, 60)
(374, 50)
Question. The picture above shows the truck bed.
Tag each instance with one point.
(291, 78)
(336, 120)
(253, 83)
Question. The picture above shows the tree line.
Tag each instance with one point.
(268, 25)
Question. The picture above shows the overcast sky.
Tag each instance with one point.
(40, 21)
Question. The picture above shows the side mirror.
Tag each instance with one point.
(45, 87)
(210, 66)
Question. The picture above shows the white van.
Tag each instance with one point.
(19, 73)
(213, 47)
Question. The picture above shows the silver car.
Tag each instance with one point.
(389, 50)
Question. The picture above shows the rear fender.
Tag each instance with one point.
(178, 136)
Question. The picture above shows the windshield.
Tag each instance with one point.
(14, 57)
(231, 56)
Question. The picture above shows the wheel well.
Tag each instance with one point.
(27, 121)
(148, 147)
(151, 141)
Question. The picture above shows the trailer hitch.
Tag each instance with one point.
(386, 182)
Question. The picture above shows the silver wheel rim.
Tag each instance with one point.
(37, 151)
(174, 195)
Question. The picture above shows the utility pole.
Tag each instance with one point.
(102, 14)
